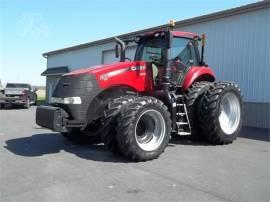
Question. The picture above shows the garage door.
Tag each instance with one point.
(108, 56)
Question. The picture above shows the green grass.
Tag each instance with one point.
(41, 100)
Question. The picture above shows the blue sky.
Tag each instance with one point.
(30, 28)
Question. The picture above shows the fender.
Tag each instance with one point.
(97, 105)
(198, 74)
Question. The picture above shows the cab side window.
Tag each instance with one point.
(194, 53)
(183, 55)
(184, 50)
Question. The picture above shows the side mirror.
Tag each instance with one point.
(117, 50)
(35, 89)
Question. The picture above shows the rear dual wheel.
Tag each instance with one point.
(220, 113)
(192, 100)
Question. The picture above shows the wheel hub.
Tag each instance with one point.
(230, 113)
(150, 130)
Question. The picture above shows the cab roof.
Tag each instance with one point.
(189, 35)
(185, 34)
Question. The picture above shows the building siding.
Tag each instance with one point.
(237, 48)
(80, 58)
(256, 115)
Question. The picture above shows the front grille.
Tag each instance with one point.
(15, 96)
(84, 86)
(75, 85)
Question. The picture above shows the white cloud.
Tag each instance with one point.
(33, 25)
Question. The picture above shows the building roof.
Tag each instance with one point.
(55, 71)
(195, 20)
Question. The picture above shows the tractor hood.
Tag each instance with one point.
(126, 74)
(102, 69)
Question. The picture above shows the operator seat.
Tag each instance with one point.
(154, 74)
(179, 70)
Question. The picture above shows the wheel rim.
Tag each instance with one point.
(150, 130)
(230, 113)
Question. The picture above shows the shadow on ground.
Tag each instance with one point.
(187, 140)
(50, 143)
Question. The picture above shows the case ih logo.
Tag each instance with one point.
(105, 77)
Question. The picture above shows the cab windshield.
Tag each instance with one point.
(151, 50)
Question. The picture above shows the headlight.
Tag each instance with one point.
(66, 100)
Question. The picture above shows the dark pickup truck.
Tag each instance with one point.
(18, 94)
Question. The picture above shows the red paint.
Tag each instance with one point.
(184, 34)
(84, 70)
(195, 73)
(174, 33)
(24, 95)
(121, 73)
(134, 78)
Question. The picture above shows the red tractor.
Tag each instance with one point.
(134, 107)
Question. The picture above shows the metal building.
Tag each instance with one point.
(238, 49)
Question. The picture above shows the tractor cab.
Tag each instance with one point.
(169, 56)
(174, 51)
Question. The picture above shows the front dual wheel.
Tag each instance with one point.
(143, 129)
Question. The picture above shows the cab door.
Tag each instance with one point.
(183, 55)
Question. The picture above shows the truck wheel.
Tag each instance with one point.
(80, 137)
(143, 129)
(108, 135)
(220, 113)
(27, 104)
(193, 97)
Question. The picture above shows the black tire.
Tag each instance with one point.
(192, 98)
(127, 128)
(210, 110)
(108, 135)
(80, 137)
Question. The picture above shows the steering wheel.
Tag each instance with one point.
(128, 59)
